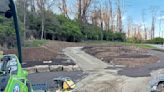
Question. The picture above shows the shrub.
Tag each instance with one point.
(157, 40)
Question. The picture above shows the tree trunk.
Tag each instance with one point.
(79, 11)
(42, 34)
(119, 16)
(24, 19)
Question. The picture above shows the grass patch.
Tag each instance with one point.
(38, 43)
(145, 46)
(35, 43)
(161, 50)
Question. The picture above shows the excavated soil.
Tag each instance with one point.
(128, 56)
(47, 52)
(118, 55)
(52, 51)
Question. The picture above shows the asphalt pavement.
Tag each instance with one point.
(47, 78)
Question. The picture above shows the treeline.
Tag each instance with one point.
(157, 40)
(7, 33)
(59, 27)
(39, 20)
(58, 20)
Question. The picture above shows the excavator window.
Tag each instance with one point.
(9, 64)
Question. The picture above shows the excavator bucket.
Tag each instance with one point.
(64, 84)
(68, 84)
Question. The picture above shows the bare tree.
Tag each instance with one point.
(144, 26)
(153, 27)
(22, 7)
(32, 5)
(95, 14)
(154, 11)
(79, 10)
(129, 26)
(42, 9)
(111, 17)
(106, 20)
(25, 17)
(62, 5)
(160, 23)
(42, 6)
(95, 17)
(106, 16)
(119, 16)
(83, 6)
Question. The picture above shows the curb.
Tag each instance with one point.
(52, 68)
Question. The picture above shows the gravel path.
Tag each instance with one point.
(102, 79)
(83, 59)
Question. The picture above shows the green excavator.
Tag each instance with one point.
(13, 78)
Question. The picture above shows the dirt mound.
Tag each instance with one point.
(129, 56)
(34, 54)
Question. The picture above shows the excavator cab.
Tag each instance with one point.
(12, 76)
(8, 65)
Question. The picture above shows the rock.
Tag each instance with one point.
(54, 68)
(76, 68)
(1, 52)
(68, 68)
(42, 68)
(31, 70)
(48, 62)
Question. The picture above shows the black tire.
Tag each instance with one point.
(29, 87)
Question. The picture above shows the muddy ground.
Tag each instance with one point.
(42, 78)
(128, 56)
(52, 51)
(45, 52)
(112, 54)
(60, 59)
